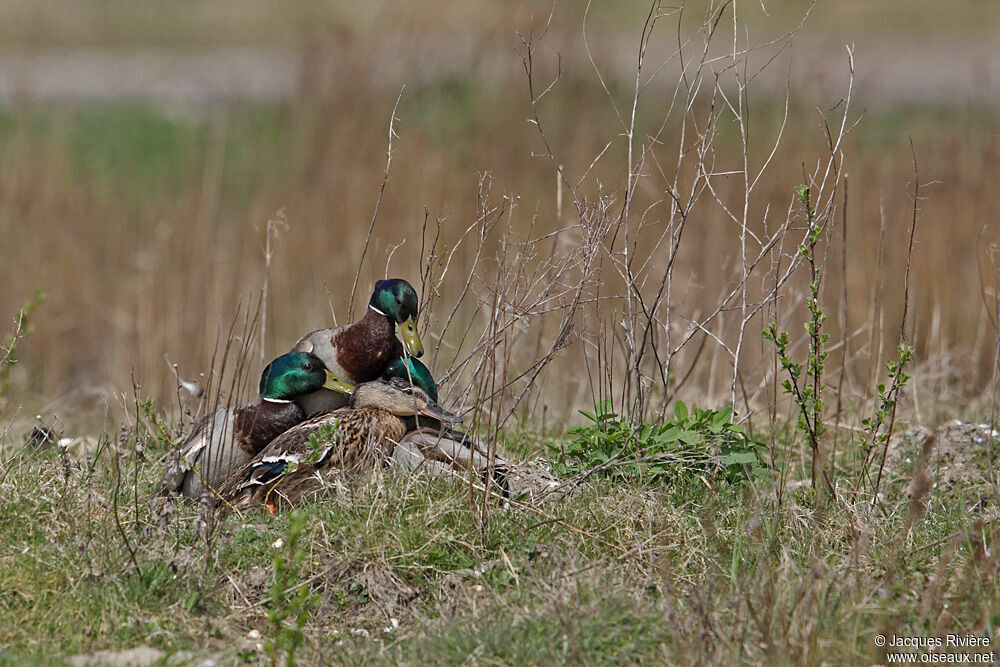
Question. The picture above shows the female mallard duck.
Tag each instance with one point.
(359, 352)
(230, 437)
(435, 447)
(294, 463)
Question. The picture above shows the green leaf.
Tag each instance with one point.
(690, 437)
(739, 458)
(680, 411)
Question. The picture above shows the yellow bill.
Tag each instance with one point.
(411, 339)
(334, 383)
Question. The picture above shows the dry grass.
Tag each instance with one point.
(148, 230)
(156, 264)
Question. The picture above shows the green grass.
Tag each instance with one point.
(682, 571)
(586, 627)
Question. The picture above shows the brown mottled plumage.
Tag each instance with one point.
(364, 435)
(436, 448)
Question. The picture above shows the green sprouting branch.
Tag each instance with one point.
(22, 329)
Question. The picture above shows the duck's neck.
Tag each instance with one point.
(376, 326)
(365, 347)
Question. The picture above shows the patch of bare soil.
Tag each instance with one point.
(533, 482)
(957, 454)
(132, 657)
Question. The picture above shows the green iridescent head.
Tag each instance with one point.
(292, 375)
(412, 370)
(396, 299)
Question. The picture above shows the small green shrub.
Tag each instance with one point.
(693, 442)
(22, 329)
(807, 390)
(290, 598)
(157, 425)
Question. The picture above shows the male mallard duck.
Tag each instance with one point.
(359, 352)
(346, 439)
(414, 372)
(435, 447)
(230, 437)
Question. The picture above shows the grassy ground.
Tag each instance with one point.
(418, 571)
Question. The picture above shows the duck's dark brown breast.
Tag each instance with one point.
(365, 347)
(260, 422)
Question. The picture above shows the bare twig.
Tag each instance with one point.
(378, 201)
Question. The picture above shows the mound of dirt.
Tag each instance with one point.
(533, 481)
(133, 657)
(957, 454)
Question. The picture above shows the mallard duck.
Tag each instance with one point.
(435, 447)
(230, 437)
(414, 371)
(361, 435)
(359, 352)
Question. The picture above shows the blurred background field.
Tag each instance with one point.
(145, 146)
